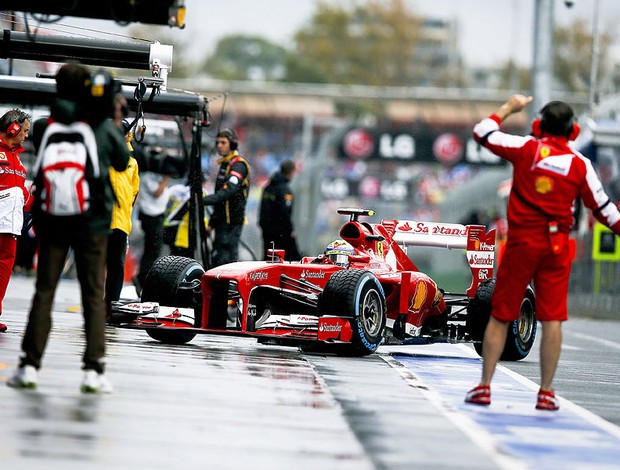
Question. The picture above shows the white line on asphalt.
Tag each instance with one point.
(476, 433)
(596, 339)
(585, 414)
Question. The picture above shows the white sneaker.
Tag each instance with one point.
(24, 377)
(95, 383)
(105, 385)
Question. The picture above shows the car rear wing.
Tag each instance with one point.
(478, 244)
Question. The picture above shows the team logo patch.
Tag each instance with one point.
(545, 152)
(3, 157)
(543, 184)
(560, 164)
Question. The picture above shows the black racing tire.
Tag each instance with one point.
(162, 285)
(479, 312)
(356, 294)
(521, 332)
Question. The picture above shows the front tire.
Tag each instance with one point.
(356, 294)
(162, 285)
(521, 332)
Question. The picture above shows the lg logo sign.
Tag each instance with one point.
(359, 144)
(400, 146)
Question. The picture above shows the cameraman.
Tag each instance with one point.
(80, 97)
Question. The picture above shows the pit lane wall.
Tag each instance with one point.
(599, 306)
(593, 288)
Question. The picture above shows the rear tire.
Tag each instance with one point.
(521, 332)
(162, 285)
(356, 294)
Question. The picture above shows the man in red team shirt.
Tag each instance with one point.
(14, 197)
(548, 176)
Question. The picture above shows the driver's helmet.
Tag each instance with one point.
(339, 251)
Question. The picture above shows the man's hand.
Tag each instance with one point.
(162, 185)
(514, 104)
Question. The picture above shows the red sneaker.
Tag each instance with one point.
(480, 395)
(547, 400)
(3, 328)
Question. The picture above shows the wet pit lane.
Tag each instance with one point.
(224, 402)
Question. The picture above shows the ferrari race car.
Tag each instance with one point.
(364, 291)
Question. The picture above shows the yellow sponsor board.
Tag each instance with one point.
(605, 244)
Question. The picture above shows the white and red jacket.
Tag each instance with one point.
(14, 196)
(548, 176)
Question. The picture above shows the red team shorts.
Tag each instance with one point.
(528, 257)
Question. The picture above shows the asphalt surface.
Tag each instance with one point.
(224, 402)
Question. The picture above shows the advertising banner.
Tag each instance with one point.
(414, 146)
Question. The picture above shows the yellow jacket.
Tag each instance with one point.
(126, 185)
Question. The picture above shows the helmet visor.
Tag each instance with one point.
(340, 259)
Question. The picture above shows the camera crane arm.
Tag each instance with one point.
(156, 58)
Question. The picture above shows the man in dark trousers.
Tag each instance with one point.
(232, 188)
(276, 211)
(548, 175)
(82, 98)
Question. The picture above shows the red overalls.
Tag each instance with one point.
(547, 178)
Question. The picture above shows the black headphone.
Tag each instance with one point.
(102, 86)
(231, 135)
(101, 89)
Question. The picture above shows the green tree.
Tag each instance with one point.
(513, 77)
(572, 60)
(301, 70)
(572, 55)
(372, 43)
(239, 57)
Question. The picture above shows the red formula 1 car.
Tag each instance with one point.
(362, 292)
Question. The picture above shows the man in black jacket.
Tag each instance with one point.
(276, 210)
(229, 199)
